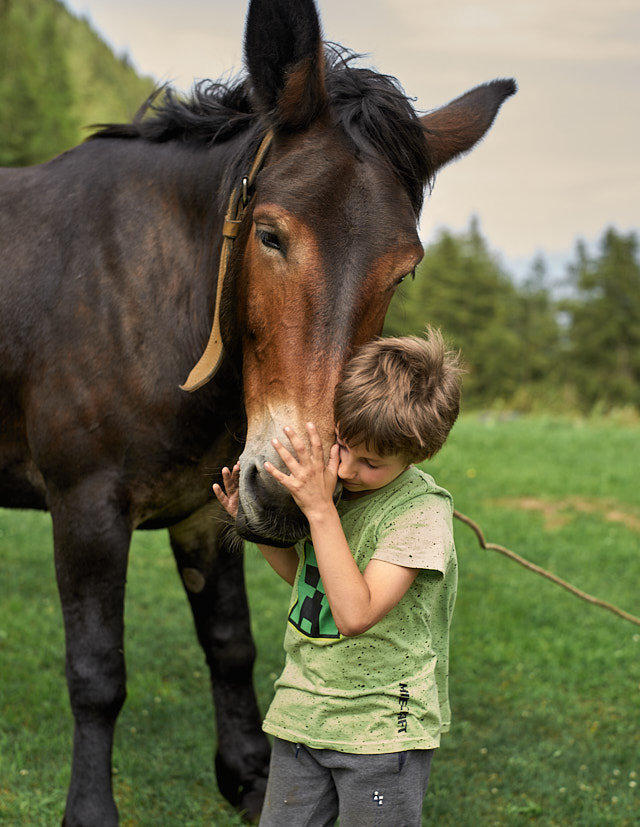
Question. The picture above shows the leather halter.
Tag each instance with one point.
(210, 361)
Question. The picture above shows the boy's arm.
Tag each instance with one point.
(357, 600)
(284, 561)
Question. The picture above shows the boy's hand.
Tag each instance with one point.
(310, 482)
(229, 497)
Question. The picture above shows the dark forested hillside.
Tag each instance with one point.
(56, 78)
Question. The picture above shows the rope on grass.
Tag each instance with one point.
(538, 570)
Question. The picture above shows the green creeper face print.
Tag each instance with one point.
(311, 614)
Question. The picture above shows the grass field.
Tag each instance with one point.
(545, 688)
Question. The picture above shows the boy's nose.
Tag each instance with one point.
(346, 470)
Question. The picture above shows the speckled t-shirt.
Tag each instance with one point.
(385, 690)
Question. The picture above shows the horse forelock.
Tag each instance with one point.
(377, 116)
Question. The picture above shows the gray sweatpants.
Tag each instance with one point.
(311, 788)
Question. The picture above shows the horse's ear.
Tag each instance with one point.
(284, 55)
(455, 128)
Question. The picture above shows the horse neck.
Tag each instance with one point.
(157, 208)
(187, 214)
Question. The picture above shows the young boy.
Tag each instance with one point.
(363, 696)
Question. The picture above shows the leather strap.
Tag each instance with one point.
(210, 361)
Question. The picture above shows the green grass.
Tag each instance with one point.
(545, 688)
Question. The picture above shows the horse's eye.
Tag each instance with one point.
(269, 239)
(406, 275)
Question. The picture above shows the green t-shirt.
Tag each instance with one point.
(385, 690)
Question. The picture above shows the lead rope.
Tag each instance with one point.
(210, 361)
(543, 572)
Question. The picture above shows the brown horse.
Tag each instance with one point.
(108, 284)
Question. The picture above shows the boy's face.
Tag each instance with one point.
(361, 470)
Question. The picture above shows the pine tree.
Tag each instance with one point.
(604, 330)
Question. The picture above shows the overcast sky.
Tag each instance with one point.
(563, 158)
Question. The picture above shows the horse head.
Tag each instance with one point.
(329, 233)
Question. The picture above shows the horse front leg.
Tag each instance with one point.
(91, 541)
(212, 570)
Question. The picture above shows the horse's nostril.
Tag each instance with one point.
(254, 478)
(252, 474)
(266, 512)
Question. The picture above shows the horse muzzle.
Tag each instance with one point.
(266, 513)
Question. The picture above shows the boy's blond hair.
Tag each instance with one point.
(399, 395)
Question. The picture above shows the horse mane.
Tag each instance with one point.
(371, 108)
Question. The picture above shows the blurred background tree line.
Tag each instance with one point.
(558, 343)
(566, 342)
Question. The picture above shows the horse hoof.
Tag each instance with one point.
(246, 795)
(251, 803)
